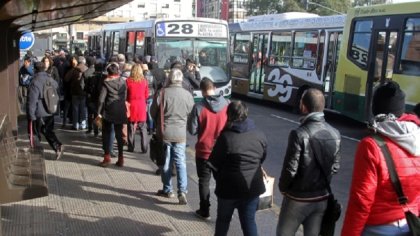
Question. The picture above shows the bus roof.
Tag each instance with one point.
(336, 21)
(281, 16)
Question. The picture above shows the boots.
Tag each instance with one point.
(106, 161)
(120, 161)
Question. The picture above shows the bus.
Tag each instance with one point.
(203, 40)
(278, 58)
(345, 56)
(380, 43)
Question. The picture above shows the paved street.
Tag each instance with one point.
(86, 199)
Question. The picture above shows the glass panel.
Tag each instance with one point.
(305, 49)
(410, 56)
(139, 43)
(281, 45)
(210, 54)
(361, 42)
(115, 43)
(131, 39)
(392, 52)
(241, 50)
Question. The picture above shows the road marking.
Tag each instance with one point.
(295, 122)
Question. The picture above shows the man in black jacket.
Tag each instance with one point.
(312, 156)
(42, 121)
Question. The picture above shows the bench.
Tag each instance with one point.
(22, 169)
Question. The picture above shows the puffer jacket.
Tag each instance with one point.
(302, 178)
(373, 200)
(112, 100)
(35, 104)
(177, 105)
(236, 160)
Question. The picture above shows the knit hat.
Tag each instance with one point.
(388, 98)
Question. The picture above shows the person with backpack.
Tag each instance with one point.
(42, 103)
(26, 73)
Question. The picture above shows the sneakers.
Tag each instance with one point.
(202, 214)
(59, 152)
(161, 193)
(182, 198)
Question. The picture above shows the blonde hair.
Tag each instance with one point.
(137, 73)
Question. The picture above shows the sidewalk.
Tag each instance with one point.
(86, 199)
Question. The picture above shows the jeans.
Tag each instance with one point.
(149, 121)
(107, 136)
(294, 213)
(204, 175)
(132, 126)
(175, 152)
(79, 111)
(246, 211)
(45, 126)
(386, 230)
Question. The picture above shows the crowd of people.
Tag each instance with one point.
(136, 95)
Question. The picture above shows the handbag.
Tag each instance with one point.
(157, 145)
(333, 211)
(413, 221)
(266, 199)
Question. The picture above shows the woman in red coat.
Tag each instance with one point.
(137, 94)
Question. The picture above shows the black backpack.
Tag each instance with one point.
(50, 97)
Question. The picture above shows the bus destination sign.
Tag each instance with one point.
(190, 29)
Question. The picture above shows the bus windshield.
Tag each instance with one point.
(209, 54)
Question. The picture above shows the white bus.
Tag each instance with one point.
(277, 57)
(203, 40)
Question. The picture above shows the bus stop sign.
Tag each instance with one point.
(26, 41)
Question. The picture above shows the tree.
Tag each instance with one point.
(262, 7)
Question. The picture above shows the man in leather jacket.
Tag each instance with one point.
(312, 156)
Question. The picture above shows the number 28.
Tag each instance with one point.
(180, 29)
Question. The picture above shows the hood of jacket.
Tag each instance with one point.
(243, 126)
(215, 103)
(404, 131)
(114, 84)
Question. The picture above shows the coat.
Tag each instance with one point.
(112, 100)
(35, 104)
(177, 105)
(137, 94)
(236, 161)
(373, 200)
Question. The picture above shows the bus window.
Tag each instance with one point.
(360, 42)
(139, 43)
(320, 57)
(115, 42)
(410, 56)
(304, 50)
(281, 44)
(130, 42)
(241, 48)
(107, 43)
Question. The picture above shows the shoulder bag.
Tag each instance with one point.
(413, 221)
(266, 199)
(157, 146)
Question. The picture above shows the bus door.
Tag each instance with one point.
(380, 69)
(259, 51)
(330, 66)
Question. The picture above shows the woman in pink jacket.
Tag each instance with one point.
(373, 207)
(137, 94)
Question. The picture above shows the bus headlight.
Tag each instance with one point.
(227, 91)
(221, 92)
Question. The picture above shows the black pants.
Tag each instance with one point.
(92, 114)
(45, 126)
(204, 175)
(106, 135)
(132, 126)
